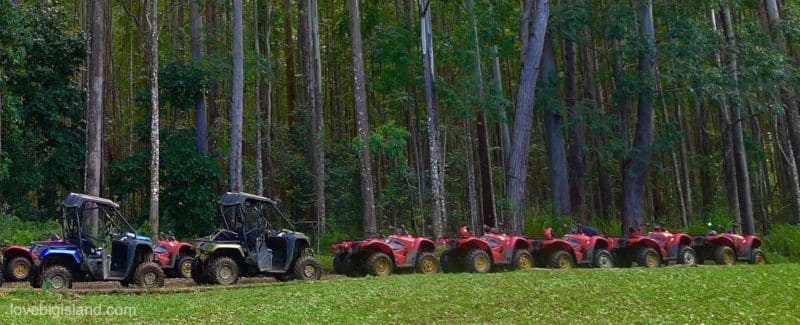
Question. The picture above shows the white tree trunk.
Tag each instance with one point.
(154, 136)
(237, 105)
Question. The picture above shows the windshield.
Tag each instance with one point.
(77, 220)
(251, 214)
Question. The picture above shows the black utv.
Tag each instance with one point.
(116, 253)
(248, 244)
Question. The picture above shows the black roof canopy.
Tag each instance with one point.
(237, 198)
(75, 200)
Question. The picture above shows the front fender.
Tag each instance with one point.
(67, 254)
(15, 251)
(473, 242)
(380, 247)
(211, 248)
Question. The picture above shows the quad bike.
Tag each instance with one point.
(645, 251)
(85, 256)
(673, 246)
(479, 255)
(381, 257)
(728, 247)
(175, 257)
(19, 262)
(247, 244)
(581, 246)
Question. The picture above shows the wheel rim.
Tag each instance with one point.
(652, 260)
(728, 257)
(57, 282)
(760, 259)
(225, 273)
(688, 258)
(382, 267)
(604, 261)
(21, 270)
(309, 271)
(428, 266)
(481, 263)
(564, 262)
(186, 268)
(525, 262)
(149, 279)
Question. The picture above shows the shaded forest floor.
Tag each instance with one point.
(710, 294)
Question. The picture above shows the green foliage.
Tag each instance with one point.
(718, 295)
(186, 202)
(14, 231)
(783, 243)
(42, 102)
(180, 84)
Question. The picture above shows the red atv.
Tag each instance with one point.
(478, 255)
(728, 248)
(581, 246)
(656, 249)
(175, 257)
(381, 257)
(18, 263)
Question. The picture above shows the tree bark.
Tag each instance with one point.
(472, 196)
(553, 121)
(739, 152)
(201, 120)
(533, 36)
(259, 113)
(487, 191)
(288, 50)
(237, 101)
(310, 56)
(638, 165)
(575, 158)
(154, 127)
(362, 120)
(94, 111)
(268, 125)
(436, 162)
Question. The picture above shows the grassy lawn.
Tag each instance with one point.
(710, 294)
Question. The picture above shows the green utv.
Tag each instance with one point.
(247, 244)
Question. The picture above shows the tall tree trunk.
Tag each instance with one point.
(288, 50)
(237, 101)
(437, 165)
(309, 28)
(201, 120)
(268, 125)
(154, 128)
(472, 196)
(259, 112)
(575, 157)
(739, 152)
(638, 165)
(707, 186)
(94, 111)
(533, 34)
(362, 120)
(729, 169)
(487, 191)
(553, 121)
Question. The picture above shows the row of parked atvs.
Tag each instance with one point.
(582, 246)
(246, 243)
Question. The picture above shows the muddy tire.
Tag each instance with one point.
(223, 271)
(724, 255)
(758, 257)
(184, 267)
(647, 257)
(306, 268)
(477, 261)
(427, 263)
(197, 272)
(522, 260)
(352, 266)
(57, 278)
(379, 264)
(338, 263)
(35, 279)
(560, 259)
(18, 269)
(603, 259)
(449, 262)
(687, 256)
(149, 275)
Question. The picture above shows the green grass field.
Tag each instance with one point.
(709, 294)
